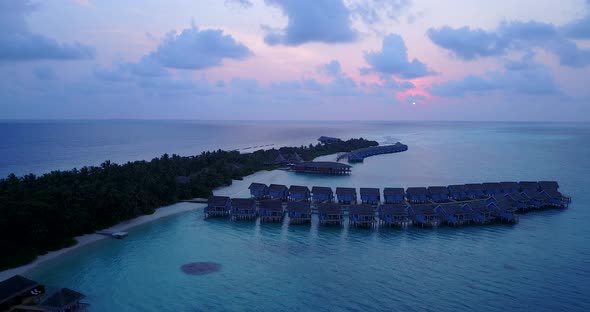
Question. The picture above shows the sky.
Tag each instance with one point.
(526, 60)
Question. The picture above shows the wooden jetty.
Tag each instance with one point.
(360, 154)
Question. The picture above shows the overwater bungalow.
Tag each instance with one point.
(556, 199)
(548, 186)
(370, 195)
(509, 187)
(394, 214)
(271, 210)
(258, 190)
(458, 192)
(330, 213)
(322, 167)
(361, 215)
(438, 193)
(492, 188)
(278, 191)
(504, 211)
(417, 195)
(517, 201)
(322, 194)
(243, 209)
(393, 195)
(218, 206)
(60, 300)
(424, 215)
(531, 186)
(534, 199)
(482, 212)
(474, 190)
(299, 212)
(454, 213)
(299, 193)
(15, 290)
(360, 154)
(346, 195)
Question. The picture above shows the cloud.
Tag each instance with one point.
(519, 77)
(332, 69)
(18, 43)
(325, 21)
(578, 29)
(470, 44)
(375, 11)
(198, 49)
(242, 3)
(44, 73)
(393, 60)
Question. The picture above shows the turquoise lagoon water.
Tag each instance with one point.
(539, 264)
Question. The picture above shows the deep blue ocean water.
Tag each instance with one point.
(539, 264)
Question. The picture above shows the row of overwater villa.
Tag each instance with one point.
(478, 203)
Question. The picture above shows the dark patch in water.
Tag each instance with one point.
(510, 268)
(200, 268)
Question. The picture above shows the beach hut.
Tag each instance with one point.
(531, 186)
(271, 210)
(299, 193)
(361, 215)
(322, 194)
(370, 195)
(258, 190)
(548, 186)
(330, 213)
(394, 214)
(278, 191)
(417, 194)
(393, 195)
(218, 206)
(492, 188)
(454, 213)
(509, 187)
(280, 159)
(295, 158)
(424, 214)
(438, 193)
(474, 190)
(243, 209)
(16, 289)
(517, 201)
(458, 192)
(299, 212)
(346, 195)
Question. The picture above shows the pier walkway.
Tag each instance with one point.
(360, 154)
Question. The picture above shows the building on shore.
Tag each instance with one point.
(328, 140)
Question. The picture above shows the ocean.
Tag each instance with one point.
(540, 264)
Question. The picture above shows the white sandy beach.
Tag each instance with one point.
(90, 238)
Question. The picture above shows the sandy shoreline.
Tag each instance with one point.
(90, 238)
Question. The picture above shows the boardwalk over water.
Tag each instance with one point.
(453, 205)
(360, 154)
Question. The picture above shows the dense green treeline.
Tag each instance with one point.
(43, 213)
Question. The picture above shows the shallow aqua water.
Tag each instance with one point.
(539, 264)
